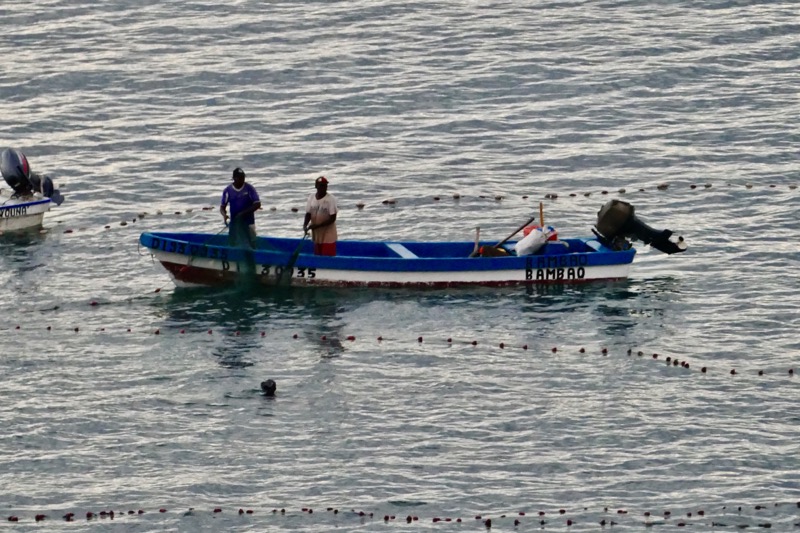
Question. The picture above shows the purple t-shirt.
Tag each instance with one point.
(240, 200)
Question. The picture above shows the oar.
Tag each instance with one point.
(286, 274)
(501, 243)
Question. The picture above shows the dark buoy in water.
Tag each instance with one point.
(269, 387)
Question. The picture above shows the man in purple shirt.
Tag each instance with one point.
(244, 202)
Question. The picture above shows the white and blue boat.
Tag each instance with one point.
(201, 259)
(22, 213)
(30, 195)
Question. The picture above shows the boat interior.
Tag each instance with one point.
(392, 249)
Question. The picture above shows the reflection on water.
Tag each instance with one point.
(246, 309)
(19, 247)
(613, 309)
(568, 298)
(246, 312)
(323, 317)
(645, 300)
(296, 301)
(22, 237)
(22, 261)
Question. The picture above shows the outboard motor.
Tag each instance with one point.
(17, 172)
(44, 185)
(617, 221)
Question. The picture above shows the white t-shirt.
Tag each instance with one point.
(321, 210)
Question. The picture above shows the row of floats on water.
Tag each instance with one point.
(202, 259)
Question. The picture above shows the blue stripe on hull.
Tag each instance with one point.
(24, 204)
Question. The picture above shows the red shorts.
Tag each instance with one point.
(324, 248)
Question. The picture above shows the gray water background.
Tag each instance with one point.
(139, 111)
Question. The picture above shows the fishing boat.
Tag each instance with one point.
(201, 259)
(21, 213)
(31, 195)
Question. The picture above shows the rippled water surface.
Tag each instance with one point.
(121, 392)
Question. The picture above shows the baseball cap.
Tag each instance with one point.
(321, 179)
(238, 173)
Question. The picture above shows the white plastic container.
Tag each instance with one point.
(534, 240)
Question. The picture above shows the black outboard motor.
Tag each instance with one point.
(616, 221)
(17, 172)
(44, 185)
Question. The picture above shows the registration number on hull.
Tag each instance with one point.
(278, 270)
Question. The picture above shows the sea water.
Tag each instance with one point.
(669, 393)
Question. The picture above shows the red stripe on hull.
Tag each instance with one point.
(199, 276)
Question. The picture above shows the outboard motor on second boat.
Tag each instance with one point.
(17, 172)
(617, 221)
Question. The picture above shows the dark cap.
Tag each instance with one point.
(238, 173)
(321, 179)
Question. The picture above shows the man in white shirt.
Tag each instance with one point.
(321, 218)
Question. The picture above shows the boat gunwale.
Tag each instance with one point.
(24, 203)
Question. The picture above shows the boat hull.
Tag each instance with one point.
(206, 260)
(17, 214)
